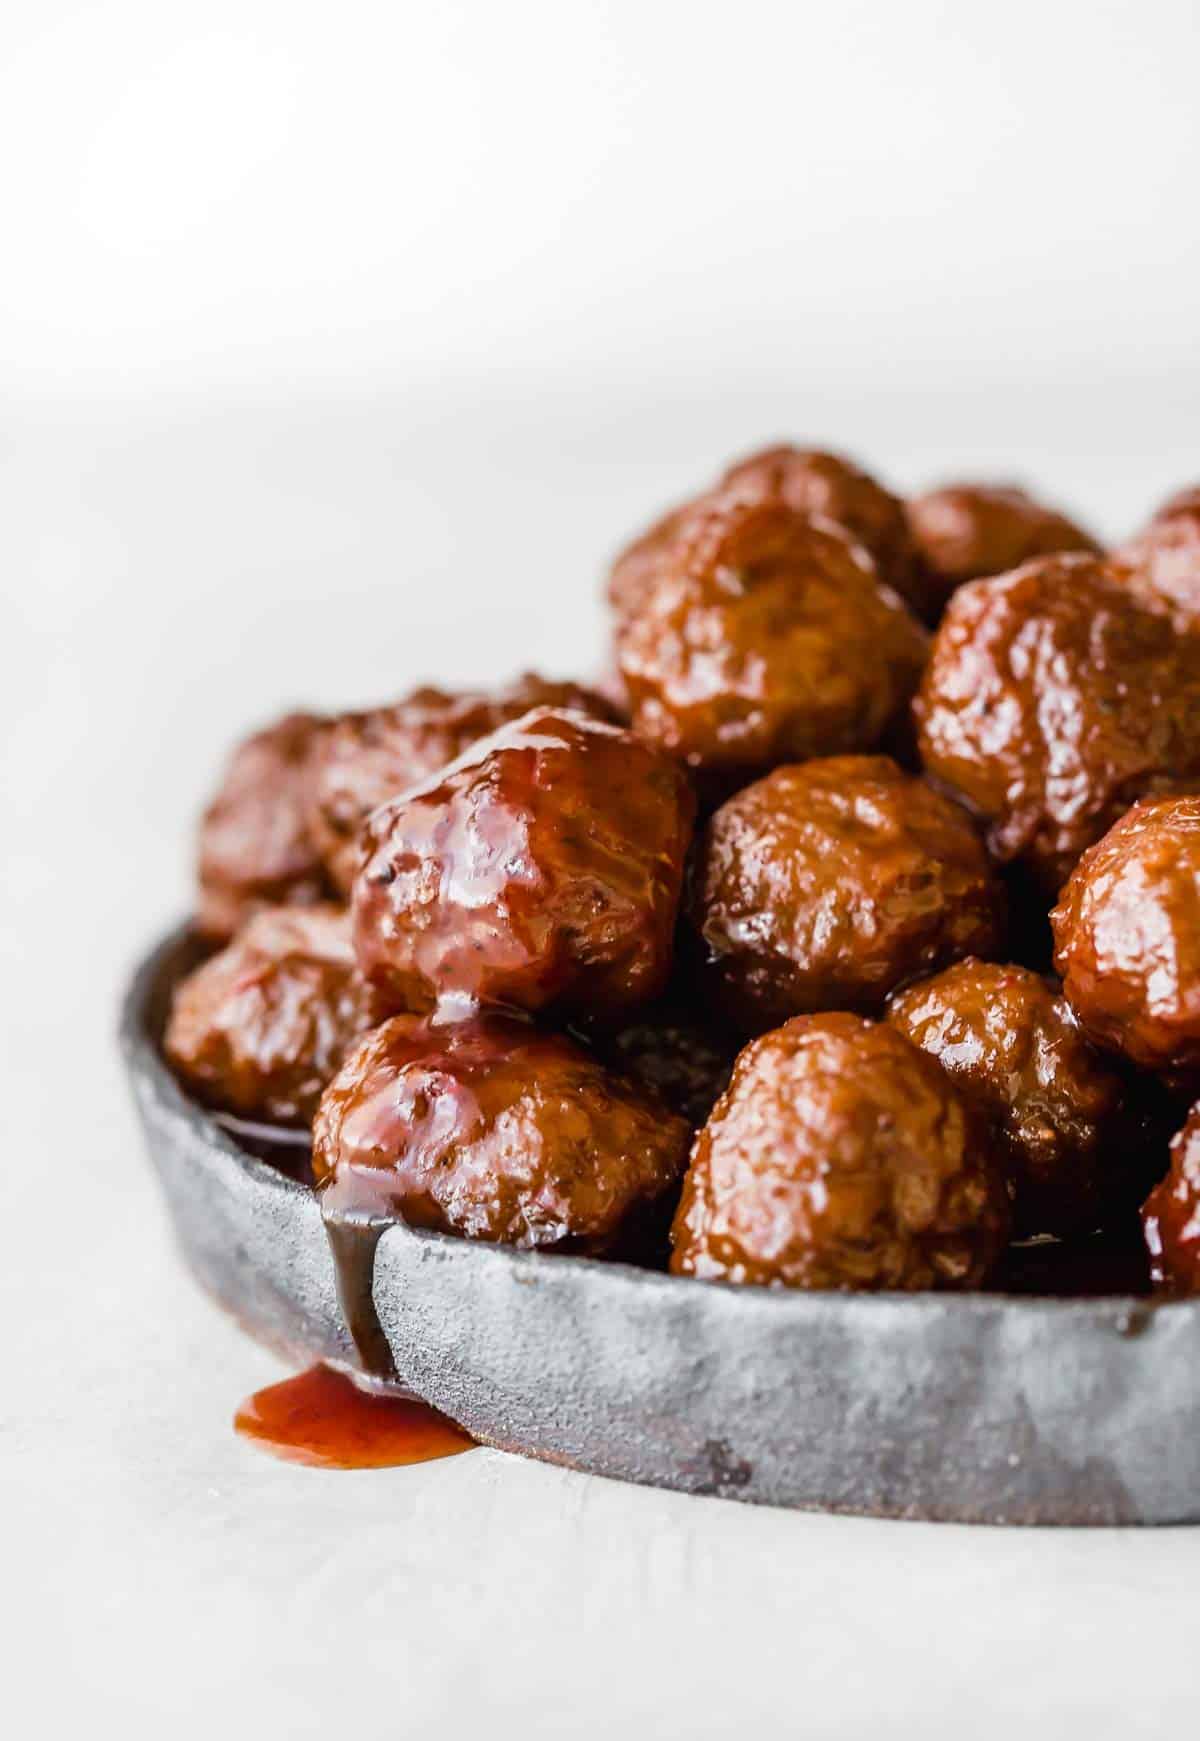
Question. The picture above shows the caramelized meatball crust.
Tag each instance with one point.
(1171, 1216)
(366, 758)
(542, 867)
(1051, 701)
(968, 531)
(254, 848)
(827, 486)
(766, 638)
(817, 485)
(492, 1130)
(1058, 1109)
(1127, 936)
(827, 884)
(841, 1157)
(259, 1029)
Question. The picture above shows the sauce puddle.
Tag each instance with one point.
(323, 1419)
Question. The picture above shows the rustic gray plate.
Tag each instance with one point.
(985, 1408)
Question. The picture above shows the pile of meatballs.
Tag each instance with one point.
(845, 934)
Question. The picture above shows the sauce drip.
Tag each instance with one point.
(323, 1419)
(352, 1242)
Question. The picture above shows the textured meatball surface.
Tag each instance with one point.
(1171, 1216)
(1127, 936)
(814, 484)
(1058, 1109)
(828, 486)
(368, 757)
(841, 1157)
(492, 1130)
(1162, 564)
(259, 1029)
(543, 867)
(829, 883)
(966, 531)
(766, 637)
(254, 848)
(1051, 701)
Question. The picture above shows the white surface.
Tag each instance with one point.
(337, 349)
(282, 187)
(178, 579)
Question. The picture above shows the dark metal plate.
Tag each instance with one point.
(981, 1408)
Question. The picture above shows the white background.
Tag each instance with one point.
(339, 345)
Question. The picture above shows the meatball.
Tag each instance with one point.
(826, 486)
(1162, 564)
(841, 1157)
(670, 1051)
(1058, 1110)
(766, 638)
(828, 884)
(967, 531)
(636, 570)
(259, 1029)
(1052, 700)
(1171, 1216)
(542, 867)
(366, 758)
(492, 1130)
(814, 484)
(255, 849)
(1127, 936)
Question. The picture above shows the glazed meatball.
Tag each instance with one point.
(259, 1029)
(1171, 1216)
(841, 1157)
(766, 638)
(967, 531)
(826, 486)
(636, 570)
(1127, 936)
(543, 867)
(1057, 1108)
(255, 849)
(1162, 564)
(366, 758)
(492, 1130)
(814, 484)
(1052, 700)
(669, 1050)
(829, 883)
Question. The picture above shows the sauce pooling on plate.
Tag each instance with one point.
(325, 1420)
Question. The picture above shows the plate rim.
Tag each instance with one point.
(140, 1048)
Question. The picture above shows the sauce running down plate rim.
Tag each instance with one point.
(976, 1408)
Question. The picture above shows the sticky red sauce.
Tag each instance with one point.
(323, 1419)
